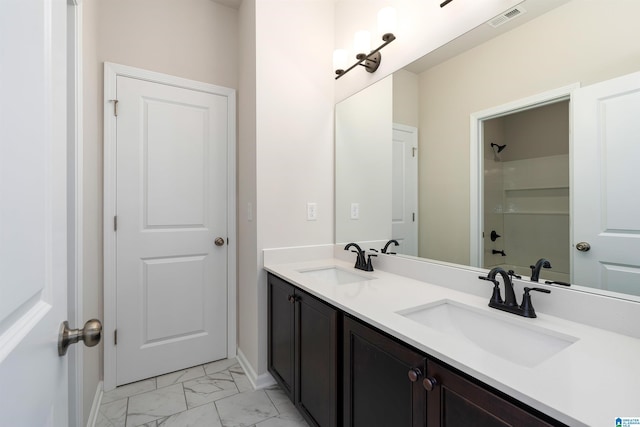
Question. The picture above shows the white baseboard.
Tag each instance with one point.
(257, 381)
(95, 406)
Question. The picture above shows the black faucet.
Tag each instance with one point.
(510, 304)
(394, 241)
(535, 269)
(496, 299)
(362, 263)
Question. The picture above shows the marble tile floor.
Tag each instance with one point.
(217, 394)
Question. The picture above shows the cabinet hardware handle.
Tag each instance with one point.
(292, 299)
(429, 383)
(414, 374)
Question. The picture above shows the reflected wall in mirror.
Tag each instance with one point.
(363, 164)
(585, 42)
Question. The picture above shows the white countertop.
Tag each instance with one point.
(591, 382)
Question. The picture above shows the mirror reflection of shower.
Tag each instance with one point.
(526, 190)
(496, 151)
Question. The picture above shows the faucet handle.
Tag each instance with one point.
(526, 306)
(555, 282)
(489, 279)
(526, 290)
(369, 266)
(513, 274)
(383, 251)
(360, 261)
(496, 298)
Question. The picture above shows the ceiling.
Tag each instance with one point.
(482, 33)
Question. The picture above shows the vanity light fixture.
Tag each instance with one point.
(362, 43)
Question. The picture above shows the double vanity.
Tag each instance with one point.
(353, 347)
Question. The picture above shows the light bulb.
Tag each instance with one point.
(339, 59)
(386, 21)
(362, 43)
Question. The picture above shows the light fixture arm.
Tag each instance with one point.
(370, 61)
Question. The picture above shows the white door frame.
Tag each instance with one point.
(476, 166)
(74, 206)
(111, 72)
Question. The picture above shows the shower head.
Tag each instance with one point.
(499, 147)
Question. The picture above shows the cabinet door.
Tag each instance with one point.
(378, 390)
(281, 327)
(317, 360)
(455, 401)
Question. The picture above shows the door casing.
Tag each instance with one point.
(111, 72)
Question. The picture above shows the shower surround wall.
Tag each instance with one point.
(527, 204)
(536, 213)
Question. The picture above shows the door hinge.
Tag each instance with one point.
(413, 216)
(227, 241)
(115, 337)
(115, 223)
(413, 150)
(115, 106)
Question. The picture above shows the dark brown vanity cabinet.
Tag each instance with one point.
(303, 351)
(281, 325)
(388, 383)
(339, 371)
(382, 380)
(455, 401)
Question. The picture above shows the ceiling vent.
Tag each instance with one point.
(507, 16)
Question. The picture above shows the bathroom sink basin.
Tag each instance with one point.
(495, 333)
(335, 275)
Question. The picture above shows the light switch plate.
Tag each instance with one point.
(312, 211)
(355, 210)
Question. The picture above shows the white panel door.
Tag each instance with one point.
(404, 189)
(606, 200)
(33, 288)
(171, 205)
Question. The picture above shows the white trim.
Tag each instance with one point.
(476, 157)
(257, 381)
(111, 71)
(95, 406)
(405, 128)
(75, 202)
(232, 232)
(109, 236)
